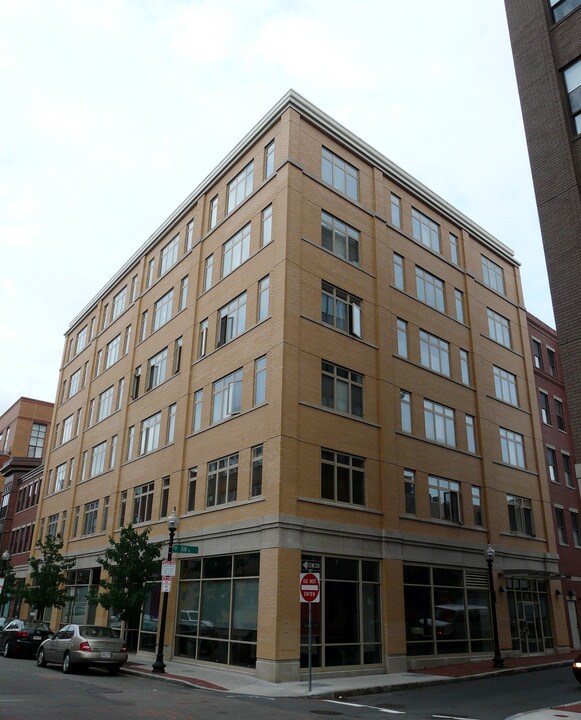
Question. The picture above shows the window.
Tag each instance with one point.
(454, 249)
(98, 459)
(122, 508)
(164, 497)
(263, 297)
(227, 396)
(256, 471)
(232, 320)
(398, 272)
(562, 8)
(552, 362)
(142, 503)
(464, 367)
(260, 380)
(425, 230)
(75, 527)
(439, 423)
(340, 174)
(177, 355)
(493, 275)
(341, 389)
(241, 187)
(150, 434)
(575, 528)
(36, 442)
(537, 354)
(470, 434)
(135, 383)
(98, 362)
(340, 309)
(192, 480)
(197, 420)
(52, 525)
(120, 390)
(150, 271)
(430, 289)
(339, 238)
(459, 304)
(545, 410)
(112, 353)
(402, 338)
(395, 210)
(119, 302)
(552, 464)
(520, 515)
(269, 160)
(74, 383)
(105, 514)
(183, 293)
(130, 439)
(505, 387)
(434, 353)
(572, 77)
(266, 236)
(342, 477)
(126, 340)
(567, 470)
(498, 328)
(105, 404)
(83, 466)
(189, 238)
(171, 423)
(409, 483)
(476, 506)
(208, 267)
(405, 406)
(81, 340)
(236, 250)
(213, 216)
(92, 331)
(444, 497)
(512, 448)
(169, 255)
(559, 414)
(156, 370)
(222, 481)
(143, 328)
(113, 454)
(90, 518)
(59, 477)
(133, 288)
(203, 338)
(162, 310)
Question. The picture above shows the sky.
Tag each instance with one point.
(112, 112)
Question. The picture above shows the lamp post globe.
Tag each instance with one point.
(159, 666)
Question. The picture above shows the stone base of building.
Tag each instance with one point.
(278, 671)
(396, 663)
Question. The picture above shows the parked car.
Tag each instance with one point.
(84, 645)
(576, 667)
(23, 637)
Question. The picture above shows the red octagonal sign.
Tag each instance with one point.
(310, 587)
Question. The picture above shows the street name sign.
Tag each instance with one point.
(185, 549)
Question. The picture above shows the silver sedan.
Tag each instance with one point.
(84, 645)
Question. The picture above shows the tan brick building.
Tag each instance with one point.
(317, 360)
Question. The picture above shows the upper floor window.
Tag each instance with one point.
(340, 309)
(405, 407)
(150, 272)
(567, 470)
(81, 340)
(142, 503)
(340, 174)
(339, 238)
(426, 230)
(562, 8)
(162, 310)
(465, 367)
(222, 482)
(435, 353)
(208, 267)
(256, 471)
(232, 319)
(342, 389)
(459, 304)
(512, 448)
(119, 302)
(430, 289)
(98, 459)
(537, 354)
(559, 414)
(112, 354)
(260, 380)
(395, 210)
(213, 216)
(156, 366)
(150, 434)
(90, 518)
(236, 250)
(439, 423)
(74, 383)
(493, 275)
(227, 396)
(498, 328)
(454, 249)
(402, 338)
(189, 235)
(552, 358)
(398, 272)
(520, 515)
(266, 226)
(342, 477)
(269, 160)
(572, 76)
(505, 386)
(544, 405)
(169, 255)
(36, 442)
(263, 298)
(240, 187)
(445, 499)
(105, 404)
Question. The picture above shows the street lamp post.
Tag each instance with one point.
(159, 665)
(497, 660)
(4, 569)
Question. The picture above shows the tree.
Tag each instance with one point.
(130, 563)
(8, 590)
(48, 576)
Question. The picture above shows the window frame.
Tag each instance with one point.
(341, 389)
(240, 187)
(345, 483)
(340, 174)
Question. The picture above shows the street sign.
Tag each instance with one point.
(166, 584)
(185, 549)
(312, 566)
(168, 568)
(310, 588)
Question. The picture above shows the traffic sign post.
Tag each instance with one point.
(310, 592)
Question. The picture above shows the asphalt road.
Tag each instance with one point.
(28, 692)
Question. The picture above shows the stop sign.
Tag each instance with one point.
(310, 587)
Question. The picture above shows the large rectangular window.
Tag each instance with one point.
(260, 380)
(405, 406)
(395, 210)
(222, 483)
(156, 367)
(567, 470)
(266, 236)
(90, 514)
(36, 442)
(572, 76)
(232, 320)
(98, 459)
(430, 289)
(398, 272)
(340, 174)
(340, 309)
(269, 160)
(208, 269)
(241, 187)
(192, 483)
(544, 406)
(142, 503)
(263, 299)
(562, 8)
(339, 238)
(409, 483)
(426, 230)
(227, 396)
(552, 464)
(150, 434)
(520, 515)
(119, 302)
(498, 328)
(512, 448)
(112, 354)
(236, 250)
(162, 310)
(439, 423)
(435, 353)
(342, 477)
(560, 415)
(169, 255)
(67, 428)
(445, 501)
(493, 275)
(402, 338)
(105, 403)
(505, 386)
(256, 471)
(341, 389)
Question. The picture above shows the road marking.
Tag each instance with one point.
(369, 707)
(452, 717)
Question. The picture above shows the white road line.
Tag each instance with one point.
(369, 707)
(452, 717)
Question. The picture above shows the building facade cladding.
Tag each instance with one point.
(286, 445)
(546, 44)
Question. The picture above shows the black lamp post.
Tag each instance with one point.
(497, 660)
(4, 569)
(159, 665)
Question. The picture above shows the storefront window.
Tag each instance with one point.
(77, 610)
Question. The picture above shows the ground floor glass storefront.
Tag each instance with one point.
(530, 620)
(78, 610)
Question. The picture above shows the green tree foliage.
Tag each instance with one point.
(48, 575)
(130, 563)
(9, 587)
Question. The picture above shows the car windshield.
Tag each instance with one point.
(37, 625)
(97, 631)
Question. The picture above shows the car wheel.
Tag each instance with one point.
(113, 669)
(67, 665)
(40, 659)
(6, 651)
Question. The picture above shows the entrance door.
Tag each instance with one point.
(531, 635)
(574, 622)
